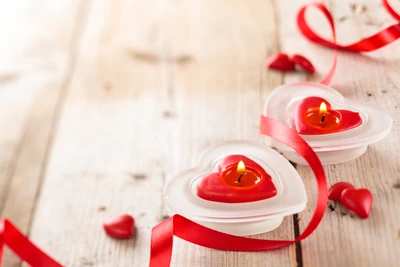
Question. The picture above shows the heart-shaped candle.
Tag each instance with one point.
(314, 115)
(239, 179)
(338, 129)
(269, 189)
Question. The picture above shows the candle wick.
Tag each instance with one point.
(323, 118)
(240, 177)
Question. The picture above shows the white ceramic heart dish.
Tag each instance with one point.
(334, 147)
(238, 218)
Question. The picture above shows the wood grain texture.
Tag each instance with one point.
(342, 239)
(101, 101)
(224, 89)
(156, 84)
(36, 56)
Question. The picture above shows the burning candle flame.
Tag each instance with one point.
(241, 167)
(323, 109)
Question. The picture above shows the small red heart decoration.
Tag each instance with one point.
(303, 62)
(349, 119)
(358, 201)
(280, 61)
(335, 191)
(212, 188)
(122, 226)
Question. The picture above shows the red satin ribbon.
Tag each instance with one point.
(25, 249)
(374, 42)
(162, 234)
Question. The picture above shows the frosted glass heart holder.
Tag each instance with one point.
(331, 148)
(238, 218)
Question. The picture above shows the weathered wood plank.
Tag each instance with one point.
(157, 84)
(225, 87)
(342, 239)
(113, 145)
(36, 51)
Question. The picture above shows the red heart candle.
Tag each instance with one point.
(314, 115)
(239, 179)
(336, 134)
(211, 195)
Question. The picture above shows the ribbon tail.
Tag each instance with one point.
(390, 10)
(161, 243)
(2, 228)
(22, 247)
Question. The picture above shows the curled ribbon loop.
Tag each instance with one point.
(374, 42)
(390, 10)
(162, 234)
(25, 249)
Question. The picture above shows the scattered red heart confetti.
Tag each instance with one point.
(280, 61)
(122, 226)
(303, 62)
(358, 201)
(335, 191)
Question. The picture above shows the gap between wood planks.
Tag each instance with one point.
(72, 58)
(296, 228)
(71, 62)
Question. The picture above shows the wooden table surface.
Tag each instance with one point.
(102, 101)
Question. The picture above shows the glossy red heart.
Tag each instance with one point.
(212, 188)
(358, 201)
(122, 226)
(303, 62)
(349, 119)
(280, 61)
(335, 191)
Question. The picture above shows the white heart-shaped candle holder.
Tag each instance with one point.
(334, 147)
(240, 219)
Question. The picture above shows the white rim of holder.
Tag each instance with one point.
(180, 192)
(377, 123)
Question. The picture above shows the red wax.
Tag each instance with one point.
(308, 118)
(249, 178)
(224, 185)
(331, 119)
